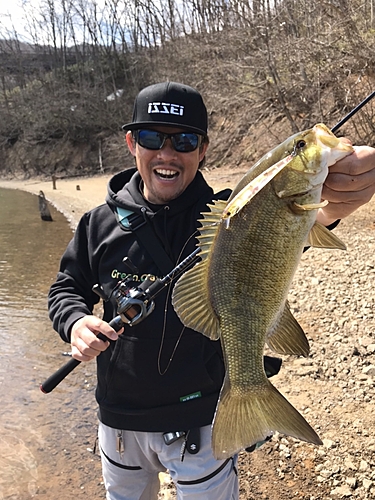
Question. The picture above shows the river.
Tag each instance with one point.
(45, 440)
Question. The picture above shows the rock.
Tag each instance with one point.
(351, 482)
(349, 464)
(328, 443)
(365, 341)
(366, 483)
(342, 491)
(363, 466)
(369, 370)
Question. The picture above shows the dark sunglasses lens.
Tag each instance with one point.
(152, 139)
(184, 143)
(149, 139)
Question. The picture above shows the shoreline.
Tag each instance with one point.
(66, 198)
(332, 295)
(73, 202)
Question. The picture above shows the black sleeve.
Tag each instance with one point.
(71, 297)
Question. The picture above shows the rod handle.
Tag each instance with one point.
(59, 375)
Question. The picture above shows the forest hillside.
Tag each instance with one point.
(265, 68)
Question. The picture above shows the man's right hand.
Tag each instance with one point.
(84, 341)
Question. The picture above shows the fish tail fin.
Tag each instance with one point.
(244, 419)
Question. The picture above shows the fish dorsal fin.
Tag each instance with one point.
(210, 226)
(321, 237)
(190, 295)
(287, 335)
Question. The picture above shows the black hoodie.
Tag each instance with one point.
(158, 376)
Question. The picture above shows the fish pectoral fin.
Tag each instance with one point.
(312, 206)
(191, 302)
(287, 336)
(246, 417)
(321, 237)
(190, 297)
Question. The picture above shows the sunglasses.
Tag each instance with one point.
(183, 142)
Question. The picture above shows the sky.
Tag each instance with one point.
(15, 15)
(12, 15)
(30, 19)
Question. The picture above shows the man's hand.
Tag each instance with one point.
(84, 341)
(349, 185)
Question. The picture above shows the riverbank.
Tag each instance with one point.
(72, 197)
(75, 196)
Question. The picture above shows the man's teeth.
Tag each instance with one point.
(166, 173)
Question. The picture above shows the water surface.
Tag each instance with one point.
(42, 437)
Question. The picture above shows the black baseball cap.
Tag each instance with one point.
(170, 104)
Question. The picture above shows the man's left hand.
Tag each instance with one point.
(349, 185)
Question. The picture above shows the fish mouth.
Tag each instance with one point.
(327, 140)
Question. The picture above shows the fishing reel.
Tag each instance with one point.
(134, 303)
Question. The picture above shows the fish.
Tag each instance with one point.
(250, 247)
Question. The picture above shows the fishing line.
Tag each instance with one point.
(156, 288)
(166, 303)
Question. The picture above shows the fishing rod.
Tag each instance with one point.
(352, 112)
(134, 304)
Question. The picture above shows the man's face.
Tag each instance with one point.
(166, 173)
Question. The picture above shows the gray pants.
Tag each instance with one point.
(132, 474)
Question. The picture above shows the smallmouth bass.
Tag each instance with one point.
(250, 249)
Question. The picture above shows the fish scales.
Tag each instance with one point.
(256, 259)
(248, 262)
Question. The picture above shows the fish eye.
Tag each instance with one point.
(298, 146)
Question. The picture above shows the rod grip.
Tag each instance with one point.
(59, 375)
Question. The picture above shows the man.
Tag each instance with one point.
(158, 382)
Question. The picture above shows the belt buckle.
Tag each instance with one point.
(171, 437)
